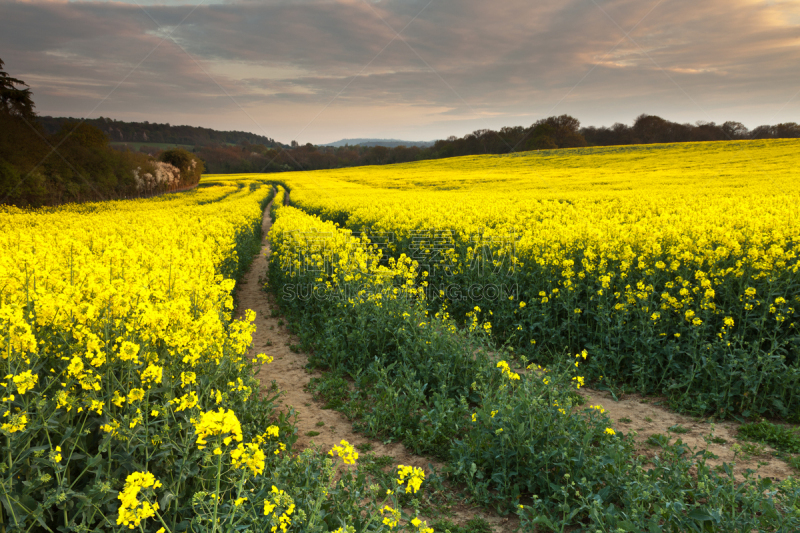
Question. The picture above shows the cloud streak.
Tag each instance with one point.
(467, 64)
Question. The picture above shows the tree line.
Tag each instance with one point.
(47, 161)
(75, 163)
(650, 129)
(121, 131)
(546, 134)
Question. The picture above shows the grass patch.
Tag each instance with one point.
(330, 389)
(658, 440)
(475, 525)
(781, 438)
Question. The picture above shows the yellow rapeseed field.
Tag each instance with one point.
(669, 269)
(677, 264)
(127, 400)
(118, 348)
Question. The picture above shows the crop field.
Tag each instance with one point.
(116, 335)
(457, 306)
(675, 266)
(128, 401)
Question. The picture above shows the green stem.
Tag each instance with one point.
(11, 477)
(216, 492)
(85, 418)
(160, 519)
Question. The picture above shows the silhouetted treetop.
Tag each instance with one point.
(13, 100)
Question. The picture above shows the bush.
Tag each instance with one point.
(190, 166)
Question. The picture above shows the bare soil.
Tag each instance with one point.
(647, 418)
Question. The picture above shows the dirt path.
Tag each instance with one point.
(288, 368)
(647, 418)
(288, 372)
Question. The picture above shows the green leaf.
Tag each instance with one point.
(700, 515)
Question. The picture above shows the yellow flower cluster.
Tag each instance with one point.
(264, 358)
(391, 516)
(598, 408)
(188, 378)
(249, 456)
(55, 455)
(278, 499)
(422, 526)
(186, 401)
(346, 451)
(412, 476)
(503, 366)
(17, 423)
(24, 381)
(222, 423)
(131, 510)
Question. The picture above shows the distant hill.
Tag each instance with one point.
(152, 133)
(389, 143)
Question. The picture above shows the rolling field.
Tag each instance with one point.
(119, 352)
(456, 306)
(674, 266)
(129, 399)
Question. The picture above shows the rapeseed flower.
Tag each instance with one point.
(504, 368)
(131, 510)
(16, 424)
(135, 395)
(25, 381)
(415, 476)
(220, 423)
(248, 456)
(392, 516)
(346, 451)
(152, 374)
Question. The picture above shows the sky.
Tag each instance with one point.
(322, 70)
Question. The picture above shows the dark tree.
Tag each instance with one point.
(542, 137)
(735, 130)
(190, 165)
(650, 129)
(788, 130)
(563, 132)
(15, 101)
